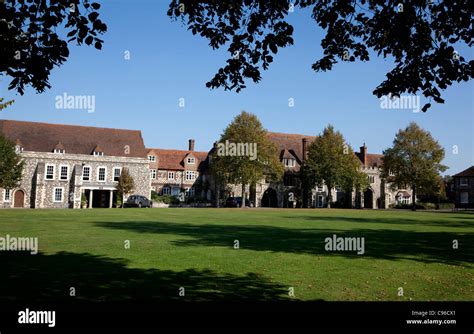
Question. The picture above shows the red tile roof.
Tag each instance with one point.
(44, 137)
(174, 159)
(466, 173)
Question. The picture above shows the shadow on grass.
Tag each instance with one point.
(427, 247)
(48, 278)
(460, 221)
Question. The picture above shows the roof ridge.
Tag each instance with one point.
(72, 125)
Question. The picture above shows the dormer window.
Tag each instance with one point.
(59, 148)
(191, 161)
(98, 151)
(289, 162)
(151, 158)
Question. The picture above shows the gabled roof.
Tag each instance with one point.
(174, 159)
(291, 142)
(466, 173)
(43, 137)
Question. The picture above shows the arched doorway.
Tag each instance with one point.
(368, 199)
(270, 198)
(19, 199)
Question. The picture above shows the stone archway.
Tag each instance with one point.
(19, 199)
(368, 199)
(270, 198)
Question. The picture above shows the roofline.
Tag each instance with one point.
(174, 150)
(61, 124)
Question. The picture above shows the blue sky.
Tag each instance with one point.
(168, 63)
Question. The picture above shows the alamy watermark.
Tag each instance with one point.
(37, 317)
(345, 244)
(9, 243)
(76, 102)
(237, 149)
(400, 102)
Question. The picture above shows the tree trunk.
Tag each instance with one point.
(217, 194)
(413, 199)
(329, 195)
(242, 205)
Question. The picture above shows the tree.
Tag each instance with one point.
(414, 160)
(332, 161)
(125, 184)
(3, 105)
(419, 35)
(244, 155)
(30, 45)
(11, 164)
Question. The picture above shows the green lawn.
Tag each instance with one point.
(279, 249)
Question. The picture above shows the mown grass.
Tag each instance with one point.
(279, 249)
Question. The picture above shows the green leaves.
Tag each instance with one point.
(11, 165)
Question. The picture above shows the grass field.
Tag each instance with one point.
(194, 249)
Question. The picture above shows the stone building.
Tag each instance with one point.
(173, 172)
(63, 162)
(464, 189)
(293, 150)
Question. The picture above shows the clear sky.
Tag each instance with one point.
(168, 63)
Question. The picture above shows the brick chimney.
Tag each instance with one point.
(363, 154)
(305, 148)
(191, 145)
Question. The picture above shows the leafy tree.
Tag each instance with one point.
(125, 183)
(11, 165)
(332, 161)
(30, 44)
(415, 160)
(3, 105)
(420, 36)
(231, 167)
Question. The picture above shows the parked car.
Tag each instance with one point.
(138, 201)
(236, 202)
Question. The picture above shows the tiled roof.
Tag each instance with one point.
(374, 160)
(466, 173)
(44, 137)
(174, 159)
(288, 142)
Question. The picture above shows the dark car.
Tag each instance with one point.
(138, 201)
(236, 202)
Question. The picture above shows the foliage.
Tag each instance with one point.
(83, 199)
(5, 104)
(11, 164)
(166, 199)
(420, 36)
(332, 161)
(30, 44)
(125, 184)
(415, 160)
(243, 169)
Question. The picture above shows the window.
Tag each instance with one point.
(289, 162)
(190, 175)
(175, 191)
(64, 173)
(189, 192)
(59, 151)
(101, 174)
(319, 188)
(153, 174)
(151, 158)
(371, 178)
(117, 172)
(463, 181)
(170, 175)
(58, 195)
(86, 173)
(166, 191)
(49, 172)
(7, 195)
(98, 154)
(464, 197)
(191, 161)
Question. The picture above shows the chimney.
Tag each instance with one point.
(305, 148)
(363, 154)
(191, 145)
